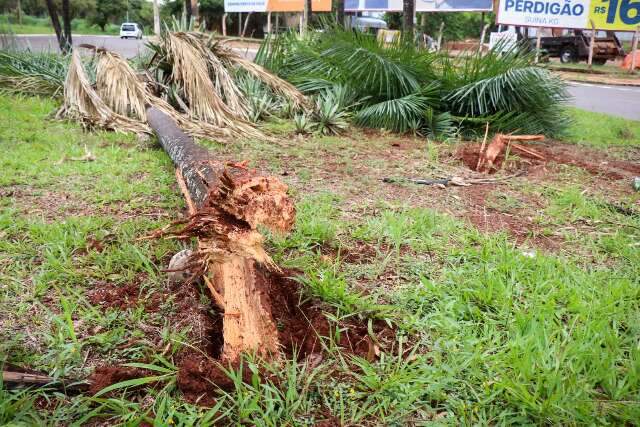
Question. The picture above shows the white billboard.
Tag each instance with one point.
(544, 13)
(421, 5)
(245, 5)
(372, 5)
(454, 5)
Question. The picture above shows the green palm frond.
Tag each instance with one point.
(354, 58)
(33, 73)
(395, 114)
(517, 88)
(438, 126)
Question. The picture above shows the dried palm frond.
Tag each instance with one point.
(119, 86)
(82, 103)
(278, 85)
(122, 90)
(190, 70)
(222, 78)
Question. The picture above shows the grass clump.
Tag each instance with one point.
(601, 130)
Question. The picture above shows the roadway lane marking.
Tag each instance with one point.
(620, 88)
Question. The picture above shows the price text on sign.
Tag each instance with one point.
(620, 15)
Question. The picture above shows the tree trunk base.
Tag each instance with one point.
(227, 204)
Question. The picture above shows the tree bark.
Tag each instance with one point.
(188, 12)
(19, 12)
(246, 24)
(306, 16)
(55, 21)
(231, 202)
(66, 22)
(195, 11)
(408, 7)
(340, 12)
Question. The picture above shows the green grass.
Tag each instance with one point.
(485, 332)
(35, 25)
(607, 70)
(602, 130)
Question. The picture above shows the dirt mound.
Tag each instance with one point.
(594, 162)
(200, 377)
(106, 375)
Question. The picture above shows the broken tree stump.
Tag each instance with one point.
(498, 145)
(230, 202)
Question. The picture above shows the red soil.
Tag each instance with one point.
(594, 162)
(301, 324)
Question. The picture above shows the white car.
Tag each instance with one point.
(130, 30)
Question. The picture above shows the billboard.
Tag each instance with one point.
(275, 5)
(372, 5)
(454, 5)
(618, 15)
(421, 5)
(245, 5)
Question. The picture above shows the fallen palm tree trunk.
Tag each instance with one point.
(230, 202)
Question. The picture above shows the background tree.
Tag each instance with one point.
(115, 12)
(188, 11)
(407, 18)
(457, 26)
(106, 11)
(64, 37)
(306, 18)
(211, 12)
(66, 22)
(156, 18)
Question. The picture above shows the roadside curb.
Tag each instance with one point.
(603, 82)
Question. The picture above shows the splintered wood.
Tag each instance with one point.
(499, 144)
(227, 202)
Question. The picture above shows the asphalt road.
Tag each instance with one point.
(622, 101)
(128, 48)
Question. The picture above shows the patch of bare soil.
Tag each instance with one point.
(109, 295)
(607, 173)
(104, 376)
(518, 223)
(302, 326)
(595, 162)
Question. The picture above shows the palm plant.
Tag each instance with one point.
(33, 73)
(302, 124)
(399, 86)
(329, 116)
(505, 89)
